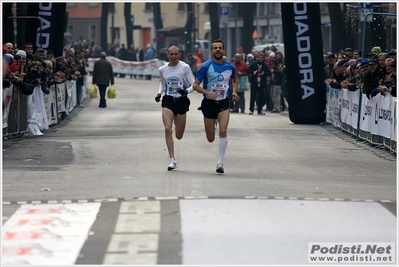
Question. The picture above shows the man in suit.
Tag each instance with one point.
(103, 74)
(258, 71)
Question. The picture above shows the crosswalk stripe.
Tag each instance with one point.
(136, 235)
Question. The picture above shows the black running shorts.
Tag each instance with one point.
(211, 108)
(178, 105)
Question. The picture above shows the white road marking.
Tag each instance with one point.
(51, 234)
(136, 235)
(258, 232)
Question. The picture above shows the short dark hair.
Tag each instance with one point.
(173, 46)
(27, 44)
(218, 41)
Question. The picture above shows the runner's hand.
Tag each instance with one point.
(183, 92)
(158, 98)
(235, 97)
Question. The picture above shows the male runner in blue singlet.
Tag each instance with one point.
(216, 76)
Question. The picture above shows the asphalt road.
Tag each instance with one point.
(118, 155)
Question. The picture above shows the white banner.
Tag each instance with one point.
(345, 106)
(7, 96)
(149, 67)
(71, 95)
(394, 119)
(50, 102)
(334, 98)
(61, 97)
(384, 115)
(37, 116)
(377, 115)
(367, 113)
(354, 109)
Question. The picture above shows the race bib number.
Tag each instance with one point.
(220, 90)
(174, 87)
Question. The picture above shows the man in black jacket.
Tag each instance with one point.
(103, 74)
(258, 72)
(373, 77)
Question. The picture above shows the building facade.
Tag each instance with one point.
(85, 19)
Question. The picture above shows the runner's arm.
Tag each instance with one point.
(189, 78)
(161, 82)
(199, 89)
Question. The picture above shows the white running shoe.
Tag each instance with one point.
(172, 164)
(219, 168)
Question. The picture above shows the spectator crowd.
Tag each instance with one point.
(372, 72)
(260, 72)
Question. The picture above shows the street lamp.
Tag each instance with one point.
(14, 14)
(112, 9)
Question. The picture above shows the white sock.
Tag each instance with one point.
(222, 149)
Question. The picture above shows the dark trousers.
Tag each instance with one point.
(103, 89)
(241, 103)
(78, 92)
(268, 99)
(284, 96)
(257, 94)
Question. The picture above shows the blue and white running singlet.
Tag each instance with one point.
(216, 78)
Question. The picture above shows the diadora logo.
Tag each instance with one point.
(303, 45)
(45, 11)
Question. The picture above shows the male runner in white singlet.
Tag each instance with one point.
(176, 82)
(216, 75)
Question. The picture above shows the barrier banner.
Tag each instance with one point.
(383, 115)
(53, 18)
(50, 102)
(7, 96)
(61, 97)
(37, 116)
(345, 107)
(354, 108)
(304, 61)
(366, 115)
(394, 119)
(378, 117)
(333, 108)
(70, 95)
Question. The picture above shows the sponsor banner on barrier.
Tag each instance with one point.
(394, 119)
(377, 115)
(354, 108)
(37, 116)
(345, 107)
(50, 102)
(333, 110)
(47, 234)
(383, 115)
(71, 95)
(61, 97)
(366, 115)
(43, 108)
(7, 96)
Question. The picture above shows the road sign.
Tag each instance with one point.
(224, 14)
